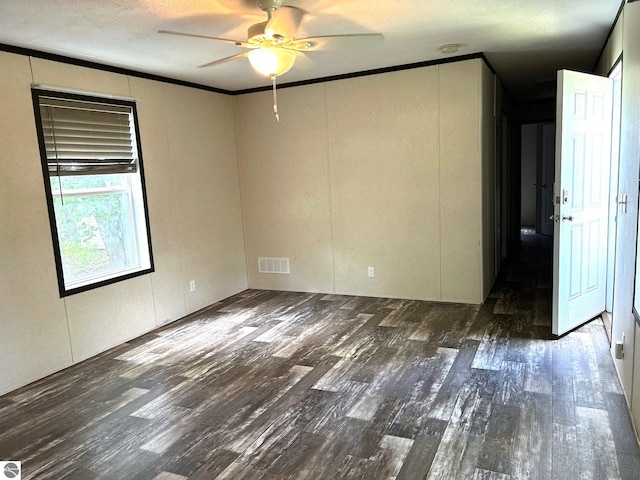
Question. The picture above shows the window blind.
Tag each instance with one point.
(87, 138)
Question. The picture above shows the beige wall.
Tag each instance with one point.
(623, 320)
(625, 39)
(188, 143)
(32, 316)
(285, 191)
(489, 88)
(393, 171)
(383, 157)
(612, 49)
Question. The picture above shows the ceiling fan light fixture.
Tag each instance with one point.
(271, 61)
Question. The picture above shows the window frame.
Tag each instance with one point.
(36, 93)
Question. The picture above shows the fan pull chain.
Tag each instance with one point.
(275, 99)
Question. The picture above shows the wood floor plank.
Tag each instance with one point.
(384, 464)
(200, 458)
(510, 390)
(497, 450)
(533, 438)
(456, 457)
(565, 461)
(587, 388)
(377, 428)
(629, 466)
(336, 412)
(495, 455)
(459, 450)
(596, 447)
(480, 474)
(341, 436)
(563, 404)
(621, 426)
(507, 302)
(429, 375)
(537, 375)
(420, 458)
(606, 368)
(493, 339)
(445, 400)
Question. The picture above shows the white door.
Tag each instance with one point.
(581, 191)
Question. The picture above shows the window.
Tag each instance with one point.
(94, 183)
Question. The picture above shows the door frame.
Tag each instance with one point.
(616, 75)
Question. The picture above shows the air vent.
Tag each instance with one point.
(273, 265)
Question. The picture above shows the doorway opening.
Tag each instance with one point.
(537, 176)
(585, 198)
(528, 183)
(616, 76)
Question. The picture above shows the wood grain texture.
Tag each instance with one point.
(281, 385)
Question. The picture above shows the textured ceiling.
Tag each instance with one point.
(526, 41)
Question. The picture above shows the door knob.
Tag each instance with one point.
(567, 219)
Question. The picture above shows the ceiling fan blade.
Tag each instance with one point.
(284, 22)
(223, 60)
(330, 42)
(241, 3)
(227, 40)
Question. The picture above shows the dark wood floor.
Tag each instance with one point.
(272, 385)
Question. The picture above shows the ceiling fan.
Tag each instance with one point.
(272, 46)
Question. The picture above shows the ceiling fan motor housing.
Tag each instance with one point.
(269, 6)
(256, 33)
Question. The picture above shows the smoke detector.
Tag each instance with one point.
(449, 48)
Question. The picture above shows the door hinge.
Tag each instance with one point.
(623, 202)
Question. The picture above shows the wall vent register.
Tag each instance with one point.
(273, 265)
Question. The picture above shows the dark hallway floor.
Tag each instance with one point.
(275, 385)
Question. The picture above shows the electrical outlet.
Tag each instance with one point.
(371, 272)
(192, 286)
(619, 349)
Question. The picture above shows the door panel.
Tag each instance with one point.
(582, 191)
(575, 264)
(593, 267)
